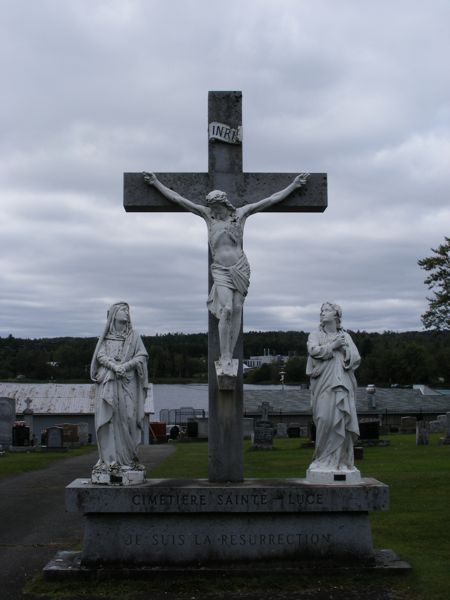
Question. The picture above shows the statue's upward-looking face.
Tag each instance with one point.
(327, 314)
(122, 318)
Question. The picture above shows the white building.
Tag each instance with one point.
(56, 403)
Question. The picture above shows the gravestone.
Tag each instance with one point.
(408, 424)
(203, 427)
(446, 440)
(21, 434)
(436, 426)
(70, 433)
(83, 433)
(7, 419)
(55, 437)
(442, 420)
(422, 430)
(264, 430)
(293, 430)
(247, 428)
(282, 430)
(369, 429)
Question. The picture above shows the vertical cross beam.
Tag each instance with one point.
(226, 407)
(224, 173)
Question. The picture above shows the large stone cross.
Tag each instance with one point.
(224, 173)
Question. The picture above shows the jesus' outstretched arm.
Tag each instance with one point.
(197, 209)
(250, 209)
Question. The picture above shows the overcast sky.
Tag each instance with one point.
(92, 89)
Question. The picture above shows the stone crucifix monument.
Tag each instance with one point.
(225, 197)
(166, 522)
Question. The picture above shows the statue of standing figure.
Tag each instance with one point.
(332, 360)
(119, 368)
(230, 268)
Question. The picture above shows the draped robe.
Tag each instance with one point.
(333, 391)
(119, 410)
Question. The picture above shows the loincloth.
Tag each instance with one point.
(235, 277)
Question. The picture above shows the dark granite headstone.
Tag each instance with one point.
(21, 434)
(369, 429)
(7, 418)
(263, 436)
(71, 433)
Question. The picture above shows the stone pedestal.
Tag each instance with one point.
(165, 522)
(343, 476)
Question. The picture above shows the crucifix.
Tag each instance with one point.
(225, 213)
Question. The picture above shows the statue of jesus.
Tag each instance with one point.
(230, 268)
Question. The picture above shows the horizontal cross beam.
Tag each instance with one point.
(248, 187)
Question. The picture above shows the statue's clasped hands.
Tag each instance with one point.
(339, 342)
(120, 371)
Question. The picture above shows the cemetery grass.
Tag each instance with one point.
(12, 463)
(415, 527)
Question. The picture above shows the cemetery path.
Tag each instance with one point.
(34, 523)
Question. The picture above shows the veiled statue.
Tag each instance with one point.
(119, 368)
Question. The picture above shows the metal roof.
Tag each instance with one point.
(394, 400)
(59, 398)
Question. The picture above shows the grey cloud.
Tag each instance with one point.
(95, 89)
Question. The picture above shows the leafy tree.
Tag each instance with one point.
(296, 370)
(438, 266)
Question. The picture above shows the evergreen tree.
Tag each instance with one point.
(438, 266)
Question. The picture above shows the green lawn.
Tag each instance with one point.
(14, 463)
(416, 527)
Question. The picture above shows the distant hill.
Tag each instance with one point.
(388, 358)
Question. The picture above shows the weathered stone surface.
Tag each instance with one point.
(175, 539)
(166, 522)
(251, 496)
(328, 477)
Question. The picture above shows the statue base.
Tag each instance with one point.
(227, 372)
(118, 476)
(341, 476)
(168, 522)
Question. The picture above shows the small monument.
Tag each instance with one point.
(197, 521)
(119, 368)
(332, 360)
(264, 430)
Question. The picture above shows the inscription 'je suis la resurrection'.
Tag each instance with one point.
(229, 539)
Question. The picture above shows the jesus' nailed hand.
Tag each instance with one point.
(230, 269)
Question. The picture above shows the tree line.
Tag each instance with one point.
(388, 358)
